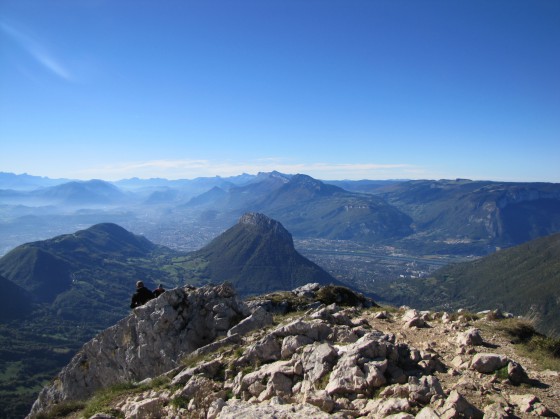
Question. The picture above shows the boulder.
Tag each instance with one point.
(488, 363)
(517, 374)
(456, 406)
(470, 337)
(259, 319)
(497, 411)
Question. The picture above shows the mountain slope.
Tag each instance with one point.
(310, 208)
(74, 262)
(256, 255)
(14, 301)
(481, 213)
(75, 285)
(43, 268)
(524, 279)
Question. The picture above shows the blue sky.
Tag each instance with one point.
(390, 89)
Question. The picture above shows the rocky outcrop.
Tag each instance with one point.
(150, 341)
(323, 361)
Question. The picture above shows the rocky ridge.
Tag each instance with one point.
(324, 360)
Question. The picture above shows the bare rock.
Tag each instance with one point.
(470, 337)
(291, 343)
(456, 406)
(207, 369)
(307, 290)
(497, 411)
(411, 318)
(517, 374)
(318, 360)
(529, 403)
(382, 315)
(148, 342)
(259, 319)
(265, 350)
(380, 408)
(313, 330)
(375, 373)
(487, 362)
(427, 413)
(235, 409)
(146, 408)
(346, 377)
(422, 389)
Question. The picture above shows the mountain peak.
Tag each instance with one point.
(259, 220)
(256, 255)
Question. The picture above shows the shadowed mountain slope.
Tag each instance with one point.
(14, 301)
(48, 268)
(524, 279)
(256, 255)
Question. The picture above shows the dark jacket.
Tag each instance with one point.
(158, 291)
(140, 297)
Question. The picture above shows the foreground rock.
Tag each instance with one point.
(324, 361)
(150, 341)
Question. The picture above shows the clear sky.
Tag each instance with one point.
(337, 89)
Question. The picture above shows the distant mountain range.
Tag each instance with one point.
(447, 216)
(524, 280)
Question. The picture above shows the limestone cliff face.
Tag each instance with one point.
(148, 342)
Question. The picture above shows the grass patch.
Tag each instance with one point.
(191, 361)
(502, 373)
(179, 402)
(340, 295)
(323, 381)
(102, 401)
(544, 350)
(61, 410)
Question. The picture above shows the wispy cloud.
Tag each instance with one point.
(189, 169)
(37, 51)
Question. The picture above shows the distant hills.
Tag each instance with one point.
(524, 280)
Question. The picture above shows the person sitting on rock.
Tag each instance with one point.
(141, 296)
(159, 290)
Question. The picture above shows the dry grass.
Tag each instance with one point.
(544, 350)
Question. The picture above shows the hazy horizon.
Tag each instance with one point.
(111, 90)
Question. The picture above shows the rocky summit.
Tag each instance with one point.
(203, 353)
